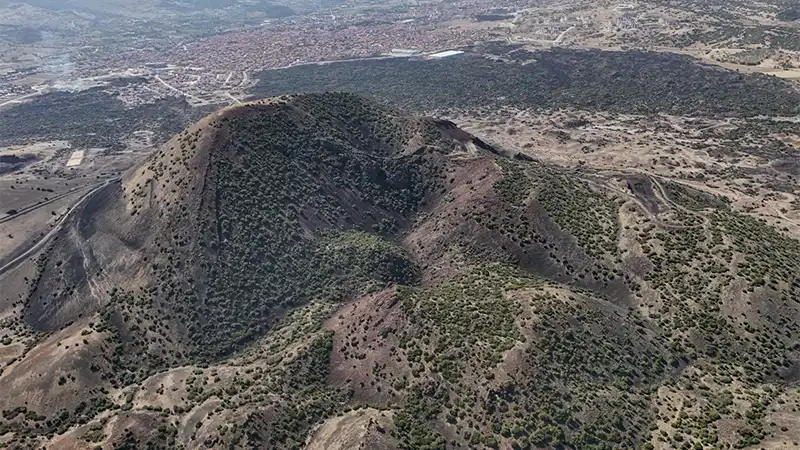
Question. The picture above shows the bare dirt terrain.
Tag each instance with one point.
(748, 37)
(710, 154)
(39, 186)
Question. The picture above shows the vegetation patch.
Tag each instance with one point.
(693, 199)
(470, 319)
(358, 263)
(631, 82)
(515, 186)
(589, 216)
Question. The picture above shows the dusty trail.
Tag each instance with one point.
(650, 216)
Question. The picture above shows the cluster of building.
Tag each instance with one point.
(220, 68)
(266, 48)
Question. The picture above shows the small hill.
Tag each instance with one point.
(267, 205)
(317, 271)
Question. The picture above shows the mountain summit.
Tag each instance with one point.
(317, 271)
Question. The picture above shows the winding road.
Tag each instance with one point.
(198, 100)
(658, 191)
(561, 36)
(56, 228)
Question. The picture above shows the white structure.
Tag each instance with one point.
(403, 51)
(445, 54)
(75, 159)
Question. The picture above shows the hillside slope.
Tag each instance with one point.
(316, 271)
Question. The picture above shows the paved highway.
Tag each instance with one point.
(34, 207)
(43, 241)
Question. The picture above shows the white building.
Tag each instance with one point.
(445, 54)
